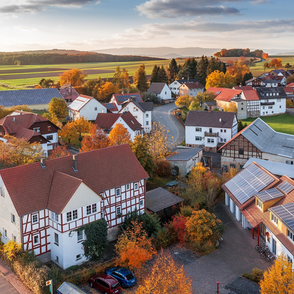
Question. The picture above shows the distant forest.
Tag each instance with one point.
(25, 58)
(239, 52)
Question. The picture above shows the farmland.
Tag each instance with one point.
(26, 76)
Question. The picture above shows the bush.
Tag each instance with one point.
(163, 168)
(165, 237)
(255, 276)
(11, 250)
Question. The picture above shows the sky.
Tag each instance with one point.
(92, 25)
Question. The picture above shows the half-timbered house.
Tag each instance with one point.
(41, 204)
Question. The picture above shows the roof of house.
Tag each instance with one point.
(182, 81)
(106, 121)
(33, 188)
(243, 88)
(271, 93)
(183, 154)
(195, 85)
(160, 198)
(28, 97)
(276, 168)
(144, 106)
(289, 90)
(263, 137)
(215, 90)
(156, 88)
(111, 106)
(80, 102)
(290, 85)
(227, 94)
(69, 93)
(121, 98)
(217, 119)
(250, 95)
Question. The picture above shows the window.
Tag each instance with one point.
(232, 165)
(241, 108)
(221, 130)
(34, 218)
(36, 239)
(95, 108)
(117, 192)
(210, 140)
(68, 216)
(80, 235)
(49, 128)
(258, 203)
(197, 138)
(290, 235)
(147, 115)
(274, 219)
(36, 129)
(4, 233)
(13, 238)
(2, 192)
(241, 151)
(118, 211)
(89, 210)
(94, 208)
(56, 259)
(56, 239)
(280, 106)
(147, 123)
(78, 257)
(289, 162)
(289, 259)
(198, 129)
(136, 186)
(74, 214)
(141, 203)
(128, 186)
(54, 216)
(50, 137)
(270, 107)
(225, 131)
(221, 139)
(225, 140)
(12, 218)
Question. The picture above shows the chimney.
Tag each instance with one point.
(75, 162)
(43, 163)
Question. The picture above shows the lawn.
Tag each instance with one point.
(283, 123)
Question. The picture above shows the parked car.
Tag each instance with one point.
(106, 284)
(123, 275)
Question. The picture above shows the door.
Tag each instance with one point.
(274, 247)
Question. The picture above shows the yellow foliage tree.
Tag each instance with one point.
(119, 135)
(75, 77)
(184, 101)
(58, 107)
(204, 227)
(11, 249)
(165, 277)
(106, 90)
(230, 107)
(238, 69)
(220, 79)
(279, 278)
(133, 247)
(53, 118)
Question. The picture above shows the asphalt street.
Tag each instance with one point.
(6, 287)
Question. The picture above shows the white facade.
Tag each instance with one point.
(165, 93)
(174, 87)
(272, 106)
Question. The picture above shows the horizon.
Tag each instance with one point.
(91, 25)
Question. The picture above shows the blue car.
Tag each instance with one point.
(123, 275)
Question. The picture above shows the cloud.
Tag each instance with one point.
(256, 2)
(34, 6)
(175, 8)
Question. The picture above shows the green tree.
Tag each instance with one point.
(58, 107)
(162, 76)
(195, 105)
(205, 97)
(141, 149)
(247, 77)
(172, 70)
(202, 69)
(154, 74)
(46, 83)
(140, 79)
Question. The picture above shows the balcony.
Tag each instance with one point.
(209, 134)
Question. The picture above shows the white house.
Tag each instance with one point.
(264, 202)
(85, 106)
(107, 122)
(161, 90)
(272, 100)
(208, 129)
(190, 89)
(118, 100)
(142, 112)
(42, 204)
(175, 85)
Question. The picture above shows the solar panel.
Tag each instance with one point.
(285, 187)
(269, 194)
(248, 182)
(286, 213)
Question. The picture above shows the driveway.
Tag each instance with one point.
(164, 114)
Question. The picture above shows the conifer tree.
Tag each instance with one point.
(140, 79)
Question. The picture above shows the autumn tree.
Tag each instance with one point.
(205, 97)
(140, 147)
(58, 107)
(19, 152)
(121, 78)
(226, 176)
(91, 87)
(195, 105)
(96, 140)
(279, 278)
(230, 107)
(140, 79)
(266, 65)
(184, 101)
(165, 277)
(53, 118)
(46, 83)
(290, 79)
(204, 227)
(106, 90)
(265, 55)
(220, 79)
(238, 69)
(119, 135)
(179, 225)
(276, 63)
(158, 141)
(133, 247)
(75, 77)
(11, 249)
(59, 151)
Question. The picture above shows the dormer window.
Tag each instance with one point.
(36, 129)
(290, 235)
(258, 203)
(49, 128)
(275, 219)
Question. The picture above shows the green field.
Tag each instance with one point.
(283, 123)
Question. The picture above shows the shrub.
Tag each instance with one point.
(11, 250)
(179, 223)
(255, 275)
(165, 237)
(163, 168)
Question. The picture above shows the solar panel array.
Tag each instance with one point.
(269, 194)
(109, 105)
(248, 182)
(286, 187)
(285, 212)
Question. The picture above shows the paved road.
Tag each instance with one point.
(6, 287)
(164, 115)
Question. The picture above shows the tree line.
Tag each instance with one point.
(54, 58)
(239, 52)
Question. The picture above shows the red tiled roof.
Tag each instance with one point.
(33, 188)
(250, 95)
(244, 88)
(195, 85)
(290, 85)
(215, 90)
(227, 94)
(289, 89)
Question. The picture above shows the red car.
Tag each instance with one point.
(106, 284)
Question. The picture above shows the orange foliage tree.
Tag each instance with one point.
(204, 227)
(75, 77)
(165, 277)
(219, 79)
(97, 139)
(265, 55)
(59, 151)
(279, 278)
(106, 90)
(276, 63)
(119, 135)
(179, 224)
(238, 69)
(133, 247)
